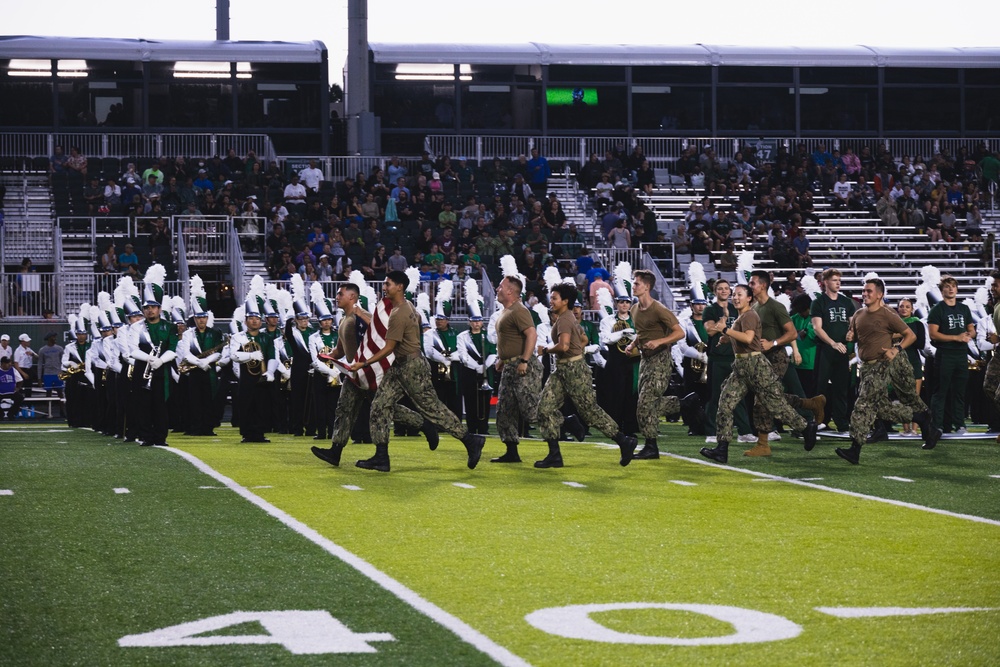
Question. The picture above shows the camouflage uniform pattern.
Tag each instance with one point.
(873, 395)
(991, 381)
(410, 377)
(654, 378)
(517, 399)
(348, 406)
(571, 380)
(763, 419)
(754, 374)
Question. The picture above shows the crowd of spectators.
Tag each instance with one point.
(769, 205)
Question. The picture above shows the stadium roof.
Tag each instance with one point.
(27, 46)
(537, 53)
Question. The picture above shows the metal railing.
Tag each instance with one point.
(132, 144)
(29, 295)
(202, 238)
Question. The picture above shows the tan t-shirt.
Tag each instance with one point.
(654, 322)
(873, 331)
(346, 339)
(566, 323)
(404, 328)
(512, 327)
(748, 321)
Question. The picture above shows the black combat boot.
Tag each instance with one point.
(474, 446)
(554, 459)
(627, 444)
(431, 433)
(930, 434)
(851, 455)
(510, 457)
(649, 450)
(575, 427)
(378, 462)
(331, 456)
(718, 453)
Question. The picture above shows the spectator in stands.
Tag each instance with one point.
(400, 190)
(539, 172)
(518, 217)
(447, 217)
(932, 221)
(819, 157)
(203, 183)
(620, 236)
(295, 197)
(160, 235)
(93, 196)
(130, 172)
(841, 192)
(10, 388)
(800, 250)
(151, 188)
(109, 260)
(57, 166)
(396, 261)
(949, 225)
(311, 177)
(612, 165)
(76, 166)
(781, 250)
(127, 257)
(887, 210)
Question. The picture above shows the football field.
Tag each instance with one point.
(213, 552)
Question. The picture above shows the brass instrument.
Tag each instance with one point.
(698, 366)
(186, 367)
(327, 351)
(70, 372)
(626, 339)
(252, 367)
(147, 374)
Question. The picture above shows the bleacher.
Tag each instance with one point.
(852, 241)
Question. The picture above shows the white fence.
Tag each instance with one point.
(29, 295)
(131, 144)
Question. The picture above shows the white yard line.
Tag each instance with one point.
(576, 485)
(681, 482)
(463, 630)
(854, 494)
(896, 479)
(122, 490)
(463, 485)
(6, 492)
(351, 487)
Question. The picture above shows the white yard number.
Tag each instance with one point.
(751, 626)
(300, 632)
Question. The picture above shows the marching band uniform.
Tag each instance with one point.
(477, 356)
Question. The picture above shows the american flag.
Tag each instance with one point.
(373, 341)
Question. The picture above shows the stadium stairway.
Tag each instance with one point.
(27, 208)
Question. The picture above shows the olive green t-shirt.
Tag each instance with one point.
(873, 331)
(347, 339)
(512, 328)
(651, 323)
(773, 318)
(404, 328)
(748, 321)
(566, 323)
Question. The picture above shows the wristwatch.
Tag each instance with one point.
(521, 361)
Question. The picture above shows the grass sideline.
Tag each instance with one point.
(518, 541)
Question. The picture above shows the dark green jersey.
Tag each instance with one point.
(714, 313)
(951, 321)
(835, 315)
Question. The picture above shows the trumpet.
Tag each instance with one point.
(70, 372)
(147, 374)
(324, 356)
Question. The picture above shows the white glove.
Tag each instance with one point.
(600, 360)
(269, 377)
(702, 357)
(203, 364)
(285, 372)
(257, 355)
(590, 349)
(90, 377)
(455, 356)
(481, 369)
(155, 363)
(616, 336)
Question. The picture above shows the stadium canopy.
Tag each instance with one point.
(144, 50)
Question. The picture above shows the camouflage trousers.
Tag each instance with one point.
(991, 380)
(654, 378)
(763, 419)
(348, 406)
(412, 378)
(517, 399)
(873, 395)
(571, 380)
(754, 374)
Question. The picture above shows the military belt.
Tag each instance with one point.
(569, 359)
(747, 355)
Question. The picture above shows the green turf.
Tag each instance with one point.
(89, 566)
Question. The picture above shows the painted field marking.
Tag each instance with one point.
(811, 479)
(843, 492)
(6, 492)
(262, 487)
(681, 482)
(121, 490)
(576, 485)
(211, 487)
(896, 479)
(883, 612)
(464, 631)
(463, 485)
(351, 487)
(995, 476)
(765, 480)
(61, 442)
(50, 430)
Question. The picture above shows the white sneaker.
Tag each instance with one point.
(710, 440)
(749, 437)
(961, 430)
(821, 427)
(773, 436)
